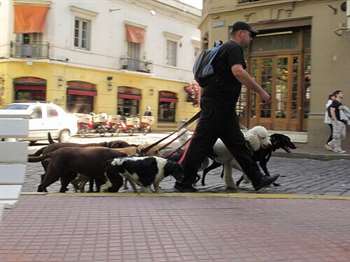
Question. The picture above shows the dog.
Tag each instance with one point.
(262, 155)
(67, 162)
(144, 171)
(44, 151)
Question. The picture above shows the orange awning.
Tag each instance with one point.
(30, 18)
(135, 34)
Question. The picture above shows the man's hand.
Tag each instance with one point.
(239, 72)
(265, 97)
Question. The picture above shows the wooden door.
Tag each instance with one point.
(280, 77)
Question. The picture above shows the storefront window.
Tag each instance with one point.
(167, 106)
(29, 89)
(80, 97)
(128, 101)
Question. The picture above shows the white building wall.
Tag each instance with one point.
(108, 39)
(5, 15)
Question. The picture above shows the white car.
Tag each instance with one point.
(43, 118)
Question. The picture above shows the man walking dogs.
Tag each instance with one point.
(218, 117)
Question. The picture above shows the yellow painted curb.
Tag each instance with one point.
(204, 194)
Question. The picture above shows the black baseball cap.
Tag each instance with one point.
(243, 26)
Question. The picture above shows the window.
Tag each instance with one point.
(82, 28)
(51, 112)
(167, 106)
(36, 114)
(128, 101)
(134, 53)
(171, 53)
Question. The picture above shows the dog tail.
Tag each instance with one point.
(50, 139)
(33, 159)
(39, 152)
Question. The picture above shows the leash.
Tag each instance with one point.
(187, 123)
(177, 149)
(180, 135)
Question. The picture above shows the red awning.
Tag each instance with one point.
(27, 87)
(135, 34)
(168, 99)
(129, 96)
(81, 92)
(30, 18)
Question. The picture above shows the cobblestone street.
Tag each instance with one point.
(302, 176)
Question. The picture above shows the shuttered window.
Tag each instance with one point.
(171, 53)
(82, 29)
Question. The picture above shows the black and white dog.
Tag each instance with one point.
(261, 154)
(144, 171)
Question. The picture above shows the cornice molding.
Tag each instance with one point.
(83, 11)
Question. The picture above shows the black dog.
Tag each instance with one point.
(66, 163)
(262, 156)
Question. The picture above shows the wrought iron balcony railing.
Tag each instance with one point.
(39, 50)
(132, 64)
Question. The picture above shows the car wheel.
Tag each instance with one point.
(64, 136)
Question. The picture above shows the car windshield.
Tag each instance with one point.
(17, 107)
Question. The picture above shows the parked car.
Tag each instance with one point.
(43, 118)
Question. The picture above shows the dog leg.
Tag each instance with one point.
(209, 168)
(132, 183)
(126, 184)
(230, 184)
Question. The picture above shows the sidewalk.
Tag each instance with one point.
(177, 228)
(314, 152)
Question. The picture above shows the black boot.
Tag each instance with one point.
(265, 181)
(186, 185)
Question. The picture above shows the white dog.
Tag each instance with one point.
(257, 137)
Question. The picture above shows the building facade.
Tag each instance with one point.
(116, 56)
(300, 55)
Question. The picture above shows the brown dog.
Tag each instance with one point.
(65, 163)
(44, 151)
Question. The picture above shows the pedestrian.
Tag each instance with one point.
(218, 118)
(338, 122)
(328, 121)
(148, 111)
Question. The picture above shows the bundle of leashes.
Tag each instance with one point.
(144, 151)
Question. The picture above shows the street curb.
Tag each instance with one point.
(199, 195)
(315, 156)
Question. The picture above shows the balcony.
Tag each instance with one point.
(39, 50)
(137, 65)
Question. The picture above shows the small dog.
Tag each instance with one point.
(262, 155)
(144, 171)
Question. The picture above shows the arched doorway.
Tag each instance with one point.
(167, 106)
(80, 96)
(29, 89)
(128, 101)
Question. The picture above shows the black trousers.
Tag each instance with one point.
(218, 120)
(330, 138)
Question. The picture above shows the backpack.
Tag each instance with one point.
(203, 69)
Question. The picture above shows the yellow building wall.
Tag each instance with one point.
(57, 75)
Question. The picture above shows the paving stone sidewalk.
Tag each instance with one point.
(156, 229)
(302, 176)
